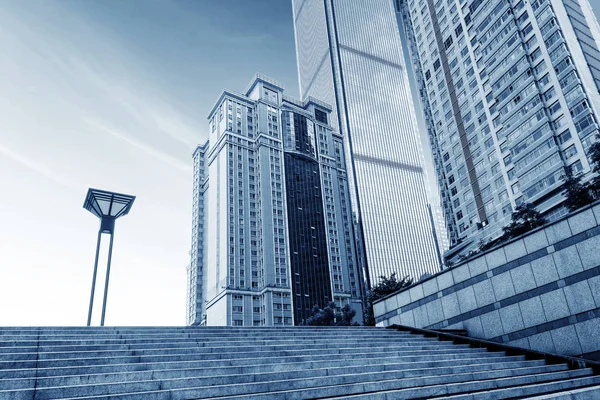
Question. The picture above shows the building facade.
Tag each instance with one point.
(510, 91)
(350, 55)
(277, 235)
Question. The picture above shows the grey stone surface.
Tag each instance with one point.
(566, 341)
(415, 293)
(460, 273)
(254, 363)
(495, 258)
(596, 210)
(503, 286)
(407, 318)
(579, 297)
(582, 221)
(522, 278)
(421, 317)
(594, 283)
(558, 231)
(515, 250)
(379, 308)
(391, 304)
(542, 342)
(536, 241)
(588, 333)
(474, 327)
(532, 312)
(434, 311)
(511, 318)
(484, 293)
(403, 298)
(444, 280)
(492, 325)
(523, 343)
(555, 305)
(430, 287)
(544, 270)
(567, 261)
(477, 266)
(450, 306)
(589, 252)
(466, 299)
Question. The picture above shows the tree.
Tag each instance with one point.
(524, 219)
(328, 316)
(577, 194)
(594, 155)
(385, 287)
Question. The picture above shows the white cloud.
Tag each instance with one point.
(34, 166)
(139, 145)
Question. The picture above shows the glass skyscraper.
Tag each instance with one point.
(350, 55)
(510, 91)
(272, 221)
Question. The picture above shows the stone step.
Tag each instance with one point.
(216, 376)
(588, 393)
(214, 389)
(334, 347)
(422, 387)
(249, 366)
(527, 391)
(122, 340)
(313, 333)
(175, 345)
(304, 355)
(92, 329)
(325, 387)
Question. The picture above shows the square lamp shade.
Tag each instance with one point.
(108, 206)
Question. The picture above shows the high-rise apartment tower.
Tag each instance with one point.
(510, 91)
(350, 55)
(272, 220)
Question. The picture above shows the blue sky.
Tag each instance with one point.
(114, 95)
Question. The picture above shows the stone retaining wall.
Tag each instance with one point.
(539, 291)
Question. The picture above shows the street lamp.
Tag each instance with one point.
(107, 206)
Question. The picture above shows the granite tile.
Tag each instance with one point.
(515, 250)
(542, 342)
(589, 252)
(567, 262)
(492, 325)
(430, 287)
(503, 286)
(558, 231)
(478, 266)
(579, 297)
(566, 341)
(466, 299)
(445, 280)
(582, 221)
(588, 333)
(544, 270)
(511, 318)
(450, 306)
(595, 288)
(536, 241)
(532, 312)
(495, 258)
(522, 278)
(434, 311)
(484, 293)
(461, 273)
(555, 305)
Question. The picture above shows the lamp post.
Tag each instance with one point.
(107, 206)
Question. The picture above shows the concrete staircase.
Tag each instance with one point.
(269, 363)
